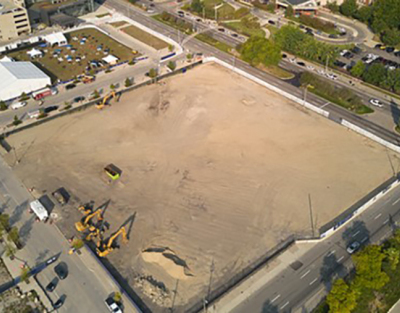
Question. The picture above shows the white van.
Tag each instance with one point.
(18, 105)
(34, 114)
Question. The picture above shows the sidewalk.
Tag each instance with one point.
(252, 284)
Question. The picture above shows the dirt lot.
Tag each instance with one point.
(216, 168)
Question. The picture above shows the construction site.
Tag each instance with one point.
(182, 183)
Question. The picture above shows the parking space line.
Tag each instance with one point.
(332, 252)
(276, 298)
(313, 281)
(364, 239)
(341, 258)
(324, 105)
(379, 215)
(396, 201)
(386, 221)
(356, 233)
(284, 306)
(305, 274)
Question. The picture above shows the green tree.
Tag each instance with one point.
(358, 69)
(364, 13)
(259, 50)
(23, 96)
(196, 6)
(112, 86)
(391, 37)
(5, 221)
(3, 106)
(392, 255)
(13, 235)
(375, 74)
(348, 7)
(341, 298)
(171, 65)
(153, 73)
(77, 244)
(289, 12)
(95, 94)
(333, 6)
(368, 263)
(128, 82)
(25, 274)
(10, 251)
(117, 297)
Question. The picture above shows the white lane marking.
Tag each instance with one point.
(378, 216)
(340, 259)
(324, 105)
(396, 201)
(305, 274)
(332, 252)
(364, 239)
(313, 281)
(276, 298)
(284, 306)
(386, 221)
(356, 233)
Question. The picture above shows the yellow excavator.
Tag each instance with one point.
(105, 247)
(86, 209)
(86, 222)
(103, 103)
(96, 231)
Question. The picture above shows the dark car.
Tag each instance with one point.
(310, 34)
(271, 22)
(378, 46)
(52, 285)
(152, 5)
(333, 36)
(61, 270)
(339, 63)
(284, 56)
(221, 29)
(58, 304)
(397, 53)
(50, 109)
(234, 35)
(70, 86)
(302, 26)
(356, 50)
(348, 55)
(79, 99)
(389, 49)
(301, 63)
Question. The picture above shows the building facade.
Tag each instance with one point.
(14, 20)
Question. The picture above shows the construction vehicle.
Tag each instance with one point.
(86, 208)
(112, 172)
(86, 79)
(86, 222)
(104, 102)
(105, 247)
(96, 230)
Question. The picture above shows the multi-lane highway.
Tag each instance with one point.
(293, 287)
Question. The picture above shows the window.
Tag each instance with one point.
(20, 21)
(22, 26)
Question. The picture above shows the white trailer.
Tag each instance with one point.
(40, 211)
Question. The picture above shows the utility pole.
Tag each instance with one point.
(391, 163)
(311, 215)
(173, 299)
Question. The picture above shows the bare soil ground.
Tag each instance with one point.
(216, 168)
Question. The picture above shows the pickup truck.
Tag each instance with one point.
(113, 306)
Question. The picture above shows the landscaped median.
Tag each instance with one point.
(341, 96)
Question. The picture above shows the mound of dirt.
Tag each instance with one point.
(168, 260)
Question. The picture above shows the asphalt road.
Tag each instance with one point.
(290, 290)
(85, 290)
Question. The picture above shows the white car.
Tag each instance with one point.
(343, 52)
(310, 67)
(18, 105)
(331, 76)
(321, 72)
(353, 247)
(376, 103)
(292, 60)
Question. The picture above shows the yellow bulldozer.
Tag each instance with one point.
(106, 246)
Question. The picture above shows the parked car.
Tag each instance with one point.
(221, 29)
(50, 109)
(18, 105)
(112, 305)
(234, 35)
(334, 36)
(284, 56)
(79, 99)
(353, 247)
(378, 46)
(376, 103)
(397, 53)
(59, 196)
(52, 285)
(181, 13)
(356, 50)
(271, 22)
(310, 67)
(61, 270)
(301, 63)
(389, 49)
(34, 114)
(58, 304)
(70, 86)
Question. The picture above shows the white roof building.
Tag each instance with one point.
(6, 59)
(19, 77)
(56, 38)
(110, 59)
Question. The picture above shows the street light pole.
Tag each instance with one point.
(311, 215)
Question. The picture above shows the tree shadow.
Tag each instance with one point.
(42, 254)
(394, 109)
(4, 206)
(17, 213)
(357, 231)
(25, 230)
(330, 268)
(268, 307)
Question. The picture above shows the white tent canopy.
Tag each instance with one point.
(19, 77)
(6, 59)
(34, 53)
(110, 59)
(56, 38)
